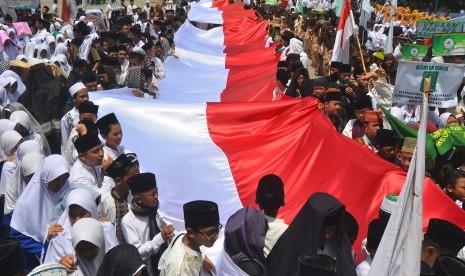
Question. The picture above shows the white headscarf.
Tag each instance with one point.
(27, 147)
(443, 119)
(16, 184)
(35, 205)
(22, 118)
(90, 230)
(8, 141)
(29, 51)
(21, 86)
(20, 57)
(68, 29)
(41, 48)
(60, 36)
(64, 65)
(60, 49)
(5, 125)
(61, 245)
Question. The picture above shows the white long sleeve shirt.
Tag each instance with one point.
(136, 231)
(90, 176)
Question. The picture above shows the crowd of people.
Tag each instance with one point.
(76, 203)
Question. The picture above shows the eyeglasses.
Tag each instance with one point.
(213, 234)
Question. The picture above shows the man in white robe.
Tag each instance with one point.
(87, 169)
(145, 226)
(79, 94)
(183, 256)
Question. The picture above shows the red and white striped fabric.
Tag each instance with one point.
(345, 30)
(216, 64)
(219, 151)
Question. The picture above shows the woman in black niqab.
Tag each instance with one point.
(303, 237)
(123, 259)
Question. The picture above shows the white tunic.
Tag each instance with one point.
(276, 228)
(68, 122)
(90, 176)
(348, 128)
(180, 260)
(69, 152)
(107, 207)
(136, 231)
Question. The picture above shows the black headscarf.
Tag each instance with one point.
(303, 236)
(123, 259)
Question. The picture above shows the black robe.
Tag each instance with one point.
(303, 235)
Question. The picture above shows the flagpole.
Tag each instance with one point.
(360, 49)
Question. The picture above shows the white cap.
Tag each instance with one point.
(76, 87)
(389, 203)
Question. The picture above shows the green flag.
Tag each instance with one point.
(338, 7)
(447, 137)
(405, 131)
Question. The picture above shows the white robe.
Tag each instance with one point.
(107, 206)
(68, 122)
(69, 151)
(180, 260)
(89, 176)
(276, 228)
(136, 231)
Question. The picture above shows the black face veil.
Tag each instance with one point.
(303, 236)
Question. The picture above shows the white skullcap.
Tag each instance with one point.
(76, 87)
(389, 203)
(438, 59)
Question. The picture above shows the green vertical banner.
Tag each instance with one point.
(414, 51)
(452, 44)
(338, 7)
(301, 7)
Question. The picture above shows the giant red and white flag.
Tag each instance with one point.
(345, 29)
(219, 151)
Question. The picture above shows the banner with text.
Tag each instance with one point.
(426, 28)
(445, 79)
(23, 3)
(414, 51)
(449, 44)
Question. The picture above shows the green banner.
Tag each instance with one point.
(447, 137)
(440, 141)
(449, 44)
(271, 2)
(414, 51)
(426, 28)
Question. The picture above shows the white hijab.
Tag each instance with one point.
(443, 119)
(35, 205)
(22, 118)
(5, 125)
(60, 36)
(29, 51)
(21, 86)
(41, 48)
(90, 230)
(68, 29)
(26, 147)
(60, 49)
(61, 245)
(16, 184)
(64, 65)
(8, 141)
